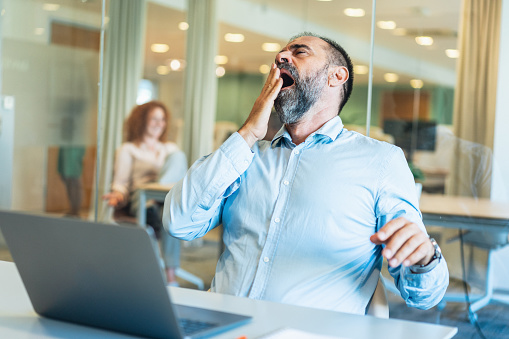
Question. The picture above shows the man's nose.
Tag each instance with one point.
(283, 57)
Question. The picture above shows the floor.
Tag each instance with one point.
(200, 257)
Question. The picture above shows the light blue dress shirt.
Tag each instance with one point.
(297, 219)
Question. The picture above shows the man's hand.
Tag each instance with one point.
(256, 125)
(405, 243)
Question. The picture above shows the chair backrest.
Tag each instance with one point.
(378, 305)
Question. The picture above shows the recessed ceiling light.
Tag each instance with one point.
(391, 77)
(159, 48)
(324, 0)
(220, 71)
(51, 7)
(264, 69)
(221, 59)
(386, 24)
(175, 65)
(360, 69)
(39, 31)
(399, 31)
(271, 47)
(233, 37)
(424, 40)
(416, 83)
(354, 12)
(452, 53)
(163, 70)
(183, 26)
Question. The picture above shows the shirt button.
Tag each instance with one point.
(266, 259)
(246, 162)
(296, 152)
(277, 220)
(286, 182)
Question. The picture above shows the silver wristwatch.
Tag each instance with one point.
(434, 261)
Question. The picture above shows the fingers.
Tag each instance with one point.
(406, 243)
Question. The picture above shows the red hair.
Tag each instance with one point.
(136, 123)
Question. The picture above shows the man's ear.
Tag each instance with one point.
(338, 75)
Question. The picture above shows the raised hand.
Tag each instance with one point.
(256, 125)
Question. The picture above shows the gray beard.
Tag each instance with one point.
(293, 103)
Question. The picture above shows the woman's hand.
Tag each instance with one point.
(114, 198)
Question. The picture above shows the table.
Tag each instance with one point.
(147, 192)
(464, 213)
(473, 214)
(18, 319)
(157, 192)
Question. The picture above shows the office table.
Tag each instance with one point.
(464, 213)
(151, 191)
(472, 214)
(157, 192)
(18, 319)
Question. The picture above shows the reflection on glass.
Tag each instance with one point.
(50, 59)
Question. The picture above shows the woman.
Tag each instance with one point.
(146, 157)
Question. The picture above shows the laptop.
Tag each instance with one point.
(102, 275)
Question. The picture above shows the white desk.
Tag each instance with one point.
(479, 215)
(18, 319)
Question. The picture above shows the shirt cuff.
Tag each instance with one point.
(236, 149)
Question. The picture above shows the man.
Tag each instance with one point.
(306, 215)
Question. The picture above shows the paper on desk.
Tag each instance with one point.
(290, 333)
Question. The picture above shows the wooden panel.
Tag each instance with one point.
(399, 105)
(56, 193)
(69, 35)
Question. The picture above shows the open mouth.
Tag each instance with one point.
(287, 80)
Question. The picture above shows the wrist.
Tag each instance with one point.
(427, 264)
(248, 136)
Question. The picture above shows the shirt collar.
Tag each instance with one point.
(331, 129)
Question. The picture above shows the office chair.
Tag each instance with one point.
(378, 306)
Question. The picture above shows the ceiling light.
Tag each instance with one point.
(51, 7)
(386, 24)
(360, 69)
(416, 83)
(163, 70)
(424, 40)
(271, 47)
(354, 12)
(324, 0)
(232, 37)
(159, 48)
(391, 77)
(220, 71)
(39, 31)
(3, 11)
(175, 65)
(399, 32)
(221, 59)
(452, 53)
(183, 26)
(264, 69)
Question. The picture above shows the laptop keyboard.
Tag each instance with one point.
(190, 326)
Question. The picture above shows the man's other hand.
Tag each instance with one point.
(405, 243)
(256, 125)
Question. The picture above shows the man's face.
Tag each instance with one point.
(304, 70)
